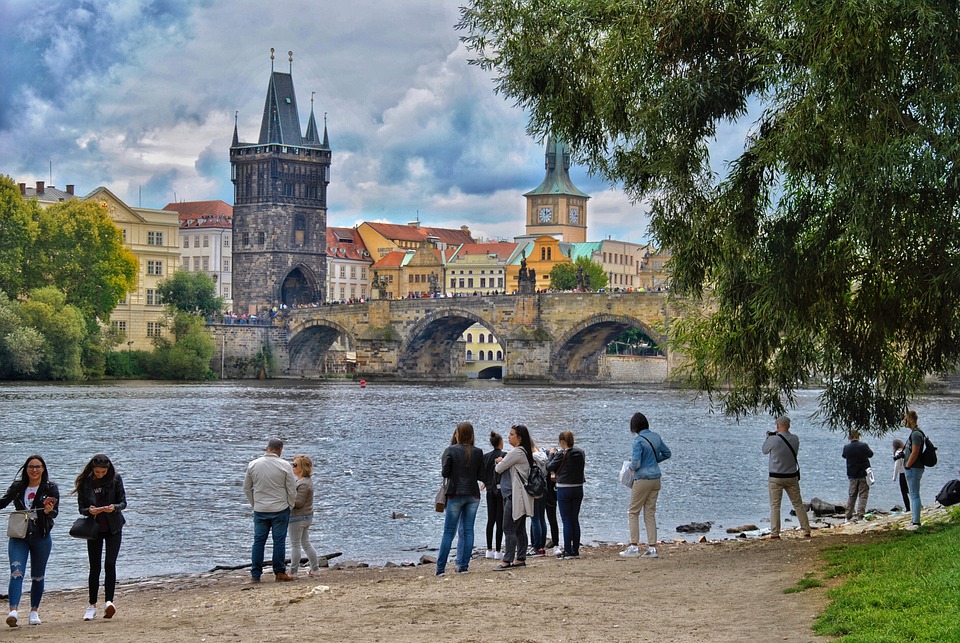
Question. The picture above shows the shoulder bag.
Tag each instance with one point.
(441, 500)
(18, 524)
(85, 528)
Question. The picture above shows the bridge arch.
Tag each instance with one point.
(309, 342)
(576, 353)
(429, 348)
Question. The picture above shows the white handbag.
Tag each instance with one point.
(19, 523)
(870, 478)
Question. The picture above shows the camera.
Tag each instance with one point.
(769, 433)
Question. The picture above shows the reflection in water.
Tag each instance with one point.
(182, 450)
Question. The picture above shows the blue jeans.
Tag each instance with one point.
(263, 524)
(38, 551)
(538, 524)
(913, 487)
(569, 500)
(459, 516)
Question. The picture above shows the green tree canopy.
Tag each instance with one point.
(18, 232)
(80, 251)
(830, 246)
(563, 276)
(191, 292)
(63, 330)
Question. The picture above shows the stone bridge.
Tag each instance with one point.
(557, 337)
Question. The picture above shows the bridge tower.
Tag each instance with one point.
(280, 204)
(556, 205)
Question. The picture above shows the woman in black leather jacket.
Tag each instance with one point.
(33, 490)
(568, 464)
(463, 467)
(100, 494)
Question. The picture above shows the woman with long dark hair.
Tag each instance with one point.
(33, 490)
(463, 467)
(100, 494)
(491, 480)
(517, 503)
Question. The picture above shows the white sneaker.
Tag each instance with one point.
(490, 554)
(109, 610)
(12, 619)
(910, 527)
(558, 551)
(497, 555)
(650, 553)
(91, 613)
(34, 618)
(631, 552)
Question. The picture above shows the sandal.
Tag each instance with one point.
(520, 564)
(503, 567)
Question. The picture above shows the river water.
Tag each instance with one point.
(182, 450)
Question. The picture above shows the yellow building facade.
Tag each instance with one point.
(153, 237)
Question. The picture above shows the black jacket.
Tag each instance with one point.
(91, 494)
(44, 522)
(490, 476)
(463, 475)
(568, 465)
(857, 454)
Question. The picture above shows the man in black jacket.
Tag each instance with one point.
(857, 454)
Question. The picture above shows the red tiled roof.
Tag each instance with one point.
(396, 232)
(345, 243)
(391, 260)
(503, 249)
(203, 214)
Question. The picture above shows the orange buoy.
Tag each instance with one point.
(363, 383)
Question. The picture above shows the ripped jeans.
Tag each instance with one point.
(38, 551)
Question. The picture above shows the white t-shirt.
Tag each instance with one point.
(28, 495)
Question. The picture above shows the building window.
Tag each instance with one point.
(499, 356)
(196, 264)
(154, 267)
(483, 282)
(206, 241)
(124, 231)
(153, 329)
(461, 282)
(196, 241)
(226, 241)
(119, 327)
(261, 238)
(246, 238)
(343, 292)
(299, 229)
(186, 242)
(206, 263)
(470, 337)
(470, 282)
(353, 272)
(453, 282)
(154, 238)
(226, 265)
(480, 355)
(469, 356)
(363, 272)
(226, 292)
(343, 272)
(153, 297)
(500, 282)
(363, 292)
(489, 356)
(481, 338)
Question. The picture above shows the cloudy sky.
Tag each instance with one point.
(140, 95)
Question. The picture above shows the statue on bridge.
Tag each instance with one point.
(379, 284)
(433, 280)
(527, 279)
(583, 279)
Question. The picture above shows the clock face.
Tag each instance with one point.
(574, 215)
(546, 215)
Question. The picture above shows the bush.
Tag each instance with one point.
(126, 363)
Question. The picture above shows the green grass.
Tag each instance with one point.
(905, 587)
(807, 582)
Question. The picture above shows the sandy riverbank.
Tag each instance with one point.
(730, 590)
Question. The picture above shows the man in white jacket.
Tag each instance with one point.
(271, 489)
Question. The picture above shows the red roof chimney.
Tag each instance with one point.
(23, 189)
(69, 188)
(39, 187)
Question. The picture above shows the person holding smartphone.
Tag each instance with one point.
(32, 490)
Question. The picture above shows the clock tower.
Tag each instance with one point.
(556, 205)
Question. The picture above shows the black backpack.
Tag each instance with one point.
(929, 455)
(536, 483)
(950, 494)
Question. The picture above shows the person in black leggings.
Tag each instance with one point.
(100, 494)
(491, 481)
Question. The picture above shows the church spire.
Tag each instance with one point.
(557, 164)
(236, 137)
(326, 139)
(281, 121)
(312, 137)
